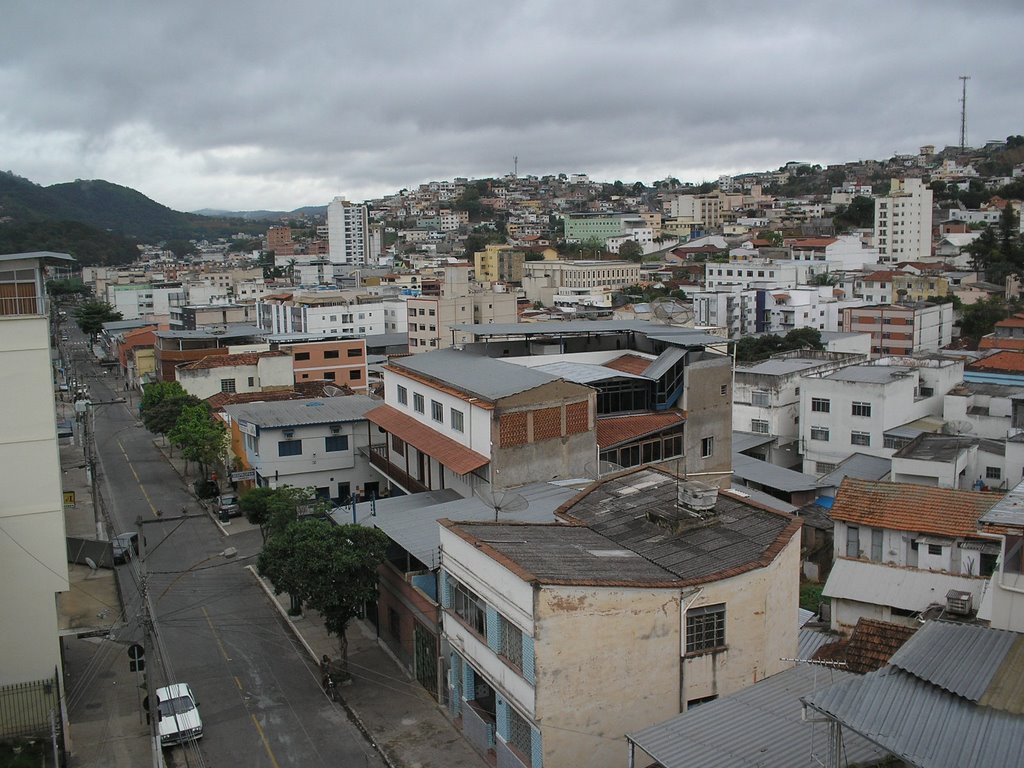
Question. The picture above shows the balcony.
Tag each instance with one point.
(378, 455)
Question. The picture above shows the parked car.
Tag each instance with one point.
(125, 546)
(177, 714)
(226, 505)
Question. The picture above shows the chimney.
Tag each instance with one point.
(697, 497)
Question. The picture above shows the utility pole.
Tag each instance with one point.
(963, 112)
(148, 637)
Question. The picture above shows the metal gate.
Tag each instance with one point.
(425, 648)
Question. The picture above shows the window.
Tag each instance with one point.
(468, 607)
(993, 473)
(336, 443)
(707, 447)
(328, 375)
(934, 549)
(520, 735)
(824, 467)
(252, 381)
(302, 355)
(354, 375)
(760, 426)
(418, 402)
(819, 433)
(436, 411)
(331, 354)
(705, 628)
(227, 385)
(510, 642)
(289, 448)
(895, 443)
(398, 445)
(759, 397)
(820, 405)
(724, 390)
(852, 541)
(355, 352)
(861, 409)
(403, 395)
(876, 544)
(860, 438)
(457, 420)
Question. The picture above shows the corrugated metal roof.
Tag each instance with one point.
(960, 658)
(810, 640)
(484, 377)
(858, 465)
(1009, 510)
(294, 413)
(665, 361)
(752, 470)
(905, 588)
(584, 373)
(758, 726)
(744, 441)
(920, 723)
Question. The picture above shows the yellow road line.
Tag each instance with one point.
(216, 637)
(137, 480)
(266, 744)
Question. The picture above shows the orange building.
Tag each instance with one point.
(340, 361)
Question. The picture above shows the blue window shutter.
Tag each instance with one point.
(493, 640)
(529, 663)
(502, 718)
(468, 682)
(536, 753)
(446, 590)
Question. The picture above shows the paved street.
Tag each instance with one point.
(259, 695)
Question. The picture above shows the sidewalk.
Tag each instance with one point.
(396, 713)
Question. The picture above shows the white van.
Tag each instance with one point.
(178, 717)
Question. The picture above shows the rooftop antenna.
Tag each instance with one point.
(502, 500)
(963, 112)
(515, 166)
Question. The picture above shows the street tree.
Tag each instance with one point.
(161, 406)
(273, 509)
(200, 436)
(999, 252)
(631, 250)
(91, 315)
(331, 568)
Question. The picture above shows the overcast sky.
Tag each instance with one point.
(245, 105)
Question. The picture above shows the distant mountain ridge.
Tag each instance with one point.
(309, 210)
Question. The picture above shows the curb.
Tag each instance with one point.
(353, 715)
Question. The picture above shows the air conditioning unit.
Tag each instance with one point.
(958, 602)
(335, 429)
(289, 432)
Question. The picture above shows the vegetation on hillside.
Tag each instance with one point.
(751, 349)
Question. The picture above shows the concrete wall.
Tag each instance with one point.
(760, 629)
(607, 663)
(708, 414)
(33, 554)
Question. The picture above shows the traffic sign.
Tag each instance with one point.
(249, 474)
(136, 651)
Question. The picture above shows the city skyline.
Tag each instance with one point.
(235, 107)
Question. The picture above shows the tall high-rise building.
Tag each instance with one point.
(348, 231)
(903, 222)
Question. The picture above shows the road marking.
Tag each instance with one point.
(216, 637)
(238, 683)
(137, 480)
(266, 744)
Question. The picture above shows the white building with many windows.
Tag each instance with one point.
(348, 233)
(852, 410)
(331, 314)
(903, 222)
(551, 627)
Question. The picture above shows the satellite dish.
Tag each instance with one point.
(502, 500)
(958, 427)
(668, 311)
(91, 563)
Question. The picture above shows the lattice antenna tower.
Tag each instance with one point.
(963, 111)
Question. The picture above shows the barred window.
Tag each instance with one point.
(759, 397)
(819, 433)
(821, 404)
(510, 639)
(417, 402)
(861, 409)
(705, 628)
(469, 608)
(860, 438)
(520, 736)
(403, 395)
(760, 426)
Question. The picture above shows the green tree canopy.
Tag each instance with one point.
(750, 349)
(980, 318)
(162, 404)
(200, 436)
(331, 568)
(999, 251)
(273, 509)
(181, 248)
(91, 315)
(59, 289)
(859, 214)
(631, 250)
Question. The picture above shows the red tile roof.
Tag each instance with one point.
(457, 457)
(909, 507)
(1017, 321)
(1006, 362)
(620, 429)
(630, 364)
(225, 361)
(810, 242)
(1001, 342)
(870, 646)
(303, 390)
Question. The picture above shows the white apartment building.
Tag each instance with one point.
(762, 310)
(699, 209)
(145, 300)
(766, 394)
(543, 279)
(842, 253)
(33, 549)
(332, 316)
(851, 410)
(431, 318)
(318, 443)
(348, 230)
(903, 222)
(243, 372)
(760, 273)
